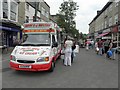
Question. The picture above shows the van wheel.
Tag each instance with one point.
(52, 66)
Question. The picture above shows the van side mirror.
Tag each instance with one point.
(55, 44)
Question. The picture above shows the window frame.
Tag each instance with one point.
(16, 12)
(7, 9)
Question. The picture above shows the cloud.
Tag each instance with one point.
(87, 11)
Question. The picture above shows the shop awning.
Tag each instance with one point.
(9, 29)
(103, 34)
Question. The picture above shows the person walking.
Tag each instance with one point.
(100, 46)
(106, 45)
(68, 52)
(96, 47)
(113, 48)
(73, 53)
(92, 44)
(87, 44)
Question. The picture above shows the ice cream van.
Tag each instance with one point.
(39, 49)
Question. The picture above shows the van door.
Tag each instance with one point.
(54, 45)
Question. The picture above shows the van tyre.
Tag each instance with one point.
(52, 66)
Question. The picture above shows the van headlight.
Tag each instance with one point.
(12, 58)
(41, 59)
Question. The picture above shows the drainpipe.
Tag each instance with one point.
(117, 39)
(112, 35)
(36, 9)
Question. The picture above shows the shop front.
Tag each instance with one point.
(107, 34)
(104, 35)
(9, 34)
(115, 34)
(119, 35)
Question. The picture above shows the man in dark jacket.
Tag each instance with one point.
(73, 47)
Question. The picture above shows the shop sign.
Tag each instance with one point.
(106, 37)
(115, 29)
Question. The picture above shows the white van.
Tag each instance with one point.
(40, 48)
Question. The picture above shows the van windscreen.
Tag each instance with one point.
(37, 39)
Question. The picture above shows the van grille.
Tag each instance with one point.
(25, 61)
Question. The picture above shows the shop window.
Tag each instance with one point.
(4, 38)
(0, 37)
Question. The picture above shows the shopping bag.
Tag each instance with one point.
(97, 49)
(109, 53)
(76, 50)
(87, 48)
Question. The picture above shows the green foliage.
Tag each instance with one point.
(66, 17)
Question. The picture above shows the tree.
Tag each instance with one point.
(66, 17)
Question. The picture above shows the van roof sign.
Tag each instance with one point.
(38, 25)
(35, 25)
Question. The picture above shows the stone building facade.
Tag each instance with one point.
(15, 14)
(106, 23)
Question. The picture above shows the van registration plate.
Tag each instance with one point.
(24, 66)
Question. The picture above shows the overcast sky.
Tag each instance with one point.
(87, 11)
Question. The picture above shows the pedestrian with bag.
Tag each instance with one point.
(113, 48)
(106, 45)
(68, 52)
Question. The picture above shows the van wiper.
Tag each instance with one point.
(28, 45)
(42, 44)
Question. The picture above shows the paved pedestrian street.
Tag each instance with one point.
(88, 71)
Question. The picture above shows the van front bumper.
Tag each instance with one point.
(33, 67)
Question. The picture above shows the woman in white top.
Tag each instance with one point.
(68, 52)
